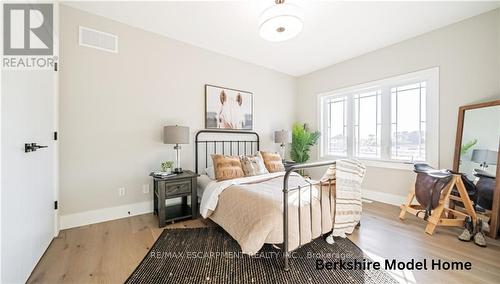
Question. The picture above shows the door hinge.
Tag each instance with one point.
(55, 135)
(56, 205)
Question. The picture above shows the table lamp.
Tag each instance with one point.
(282, 137)
(174, 134)
(484, 157)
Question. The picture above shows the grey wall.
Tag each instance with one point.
(468, 55)
(113, 107)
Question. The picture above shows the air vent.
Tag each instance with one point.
(99, 40)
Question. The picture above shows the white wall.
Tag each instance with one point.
(113, 108)
(468, 55)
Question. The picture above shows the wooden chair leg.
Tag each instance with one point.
(466, 200)
(433, 220)
(408, 202)
(438, 212)
(451, 205)
(429, 229)
(442, 215)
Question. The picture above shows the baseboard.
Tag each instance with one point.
(383, 197)
(123, 211)
(103, 215)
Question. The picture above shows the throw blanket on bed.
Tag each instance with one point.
(349, 175)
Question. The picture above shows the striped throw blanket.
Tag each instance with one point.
(349, 174)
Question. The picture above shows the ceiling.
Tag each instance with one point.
(333, 31)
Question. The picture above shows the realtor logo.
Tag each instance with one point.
(28, 29)
(28, 37)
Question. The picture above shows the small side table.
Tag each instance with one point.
(181, 185)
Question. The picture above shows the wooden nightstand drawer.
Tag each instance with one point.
(181, 186)
(176, 188)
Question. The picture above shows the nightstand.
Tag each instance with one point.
(181, 185)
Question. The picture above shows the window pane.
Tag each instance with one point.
(336, 134)
(408, 122)
(366, 124)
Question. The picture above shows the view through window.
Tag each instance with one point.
(386, 121)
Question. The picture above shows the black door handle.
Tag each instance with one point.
(32, 147)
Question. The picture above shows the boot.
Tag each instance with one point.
(479, 238)
(468, 232)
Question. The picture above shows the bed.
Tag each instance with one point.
(281, 208)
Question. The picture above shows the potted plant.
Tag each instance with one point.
(302, 141)
(465, 148)
(166, 167)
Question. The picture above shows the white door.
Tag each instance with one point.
(28, 179)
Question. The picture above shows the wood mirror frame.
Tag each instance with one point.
(495, 211)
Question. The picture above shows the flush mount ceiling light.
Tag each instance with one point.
(281, 22)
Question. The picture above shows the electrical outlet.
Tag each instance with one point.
(121, 191)
(145, 188)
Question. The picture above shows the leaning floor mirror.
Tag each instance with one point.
(477, 150)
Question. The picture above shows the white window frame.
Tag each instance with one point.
(431, 76)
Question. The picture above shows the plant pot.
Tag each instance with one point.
(167, 171)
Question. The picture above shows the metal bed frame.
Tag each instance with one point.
(254, 142)
(287, 190)
(211, 144)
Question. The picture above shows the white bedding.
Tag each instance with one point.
(210, 195)
(250, 209)
(203, 182)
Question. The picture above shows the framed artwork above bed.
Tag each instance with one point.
(227, 108)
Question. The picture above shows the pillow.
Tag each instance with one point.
(253, 165)
(329, 174)
(227, 167)
(210, 172)
(273, 162)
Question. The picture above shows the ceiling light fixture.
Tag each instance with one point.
(280, 22)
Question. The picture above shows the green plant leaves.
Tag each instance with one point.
(302, 140)
(466, 147)
(166, 165)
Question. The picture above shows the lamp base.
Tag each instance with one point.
(178, 171)
(283, 152)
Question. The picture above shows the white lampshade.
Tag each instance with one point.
(281, 22)
(484, 156)
(174, 134)
(281, 136)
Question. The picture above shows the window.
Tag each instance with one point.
(367, 124)
(386, 123)
(408, 122)
(336, 126)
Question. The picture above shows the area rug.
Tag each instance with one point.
(210, 255)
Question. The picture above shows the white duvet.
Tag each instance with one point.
(211, 193)
(251, 210)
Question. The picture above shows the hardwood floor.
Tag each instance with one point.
(108, 252)
(383, 235)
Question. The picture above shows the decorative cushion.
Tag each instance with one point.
(329, 174)
(227, 167)
(273, 162)
(210, 172)
(253, 165)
